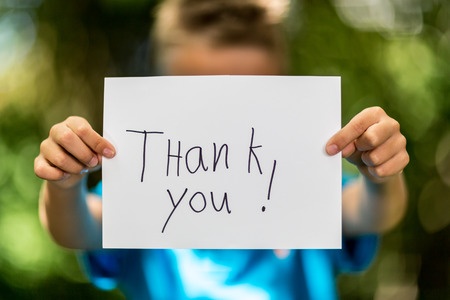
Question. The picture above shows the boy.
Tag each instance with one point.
(213, 37)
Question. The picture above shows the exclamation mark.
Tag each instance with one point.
(270, 184)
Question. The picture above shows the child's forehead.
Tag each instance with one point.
(201, 58)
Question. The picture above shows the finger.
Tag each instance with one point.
(44, 170)
(349, 150)
(70, 142)
(393, 166)
(377, 134)
(385, 152)
(355, 158)
(89, 136)
(57, 157)
(354, 129)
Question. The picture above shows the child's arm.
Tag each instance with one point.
(373, 142)
(70, 214)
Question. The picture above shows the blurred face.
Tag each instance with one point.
(197, 58)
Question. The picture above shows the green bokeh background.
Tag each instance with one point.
(54, 56)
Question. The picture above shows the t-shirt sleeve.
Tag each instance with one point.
(102, 267)
(356, 254)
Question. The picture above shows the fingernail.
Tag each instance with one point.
(93, 162)
(332, 149)
(108, 153)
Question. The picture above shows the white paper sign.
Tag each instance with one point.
(222, 162)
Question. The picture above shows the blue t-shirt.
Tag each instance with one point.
(227, 274)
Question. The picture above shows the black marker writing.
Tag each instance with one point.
(200, 160)
(197, 203)
(203, 203)
(145, 133)
(217, 155)
(194, 158)
(224, 202)
(251, 153)
(194, 161)
(175, 205)
(270, 184)
(178, 156)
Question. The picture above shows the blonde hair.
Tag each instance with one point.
(221, 23)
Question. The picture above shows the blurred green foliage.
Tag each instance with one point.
(54, 56)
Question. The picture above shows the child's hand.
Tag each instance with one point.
(373, 142)
(71, 149)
